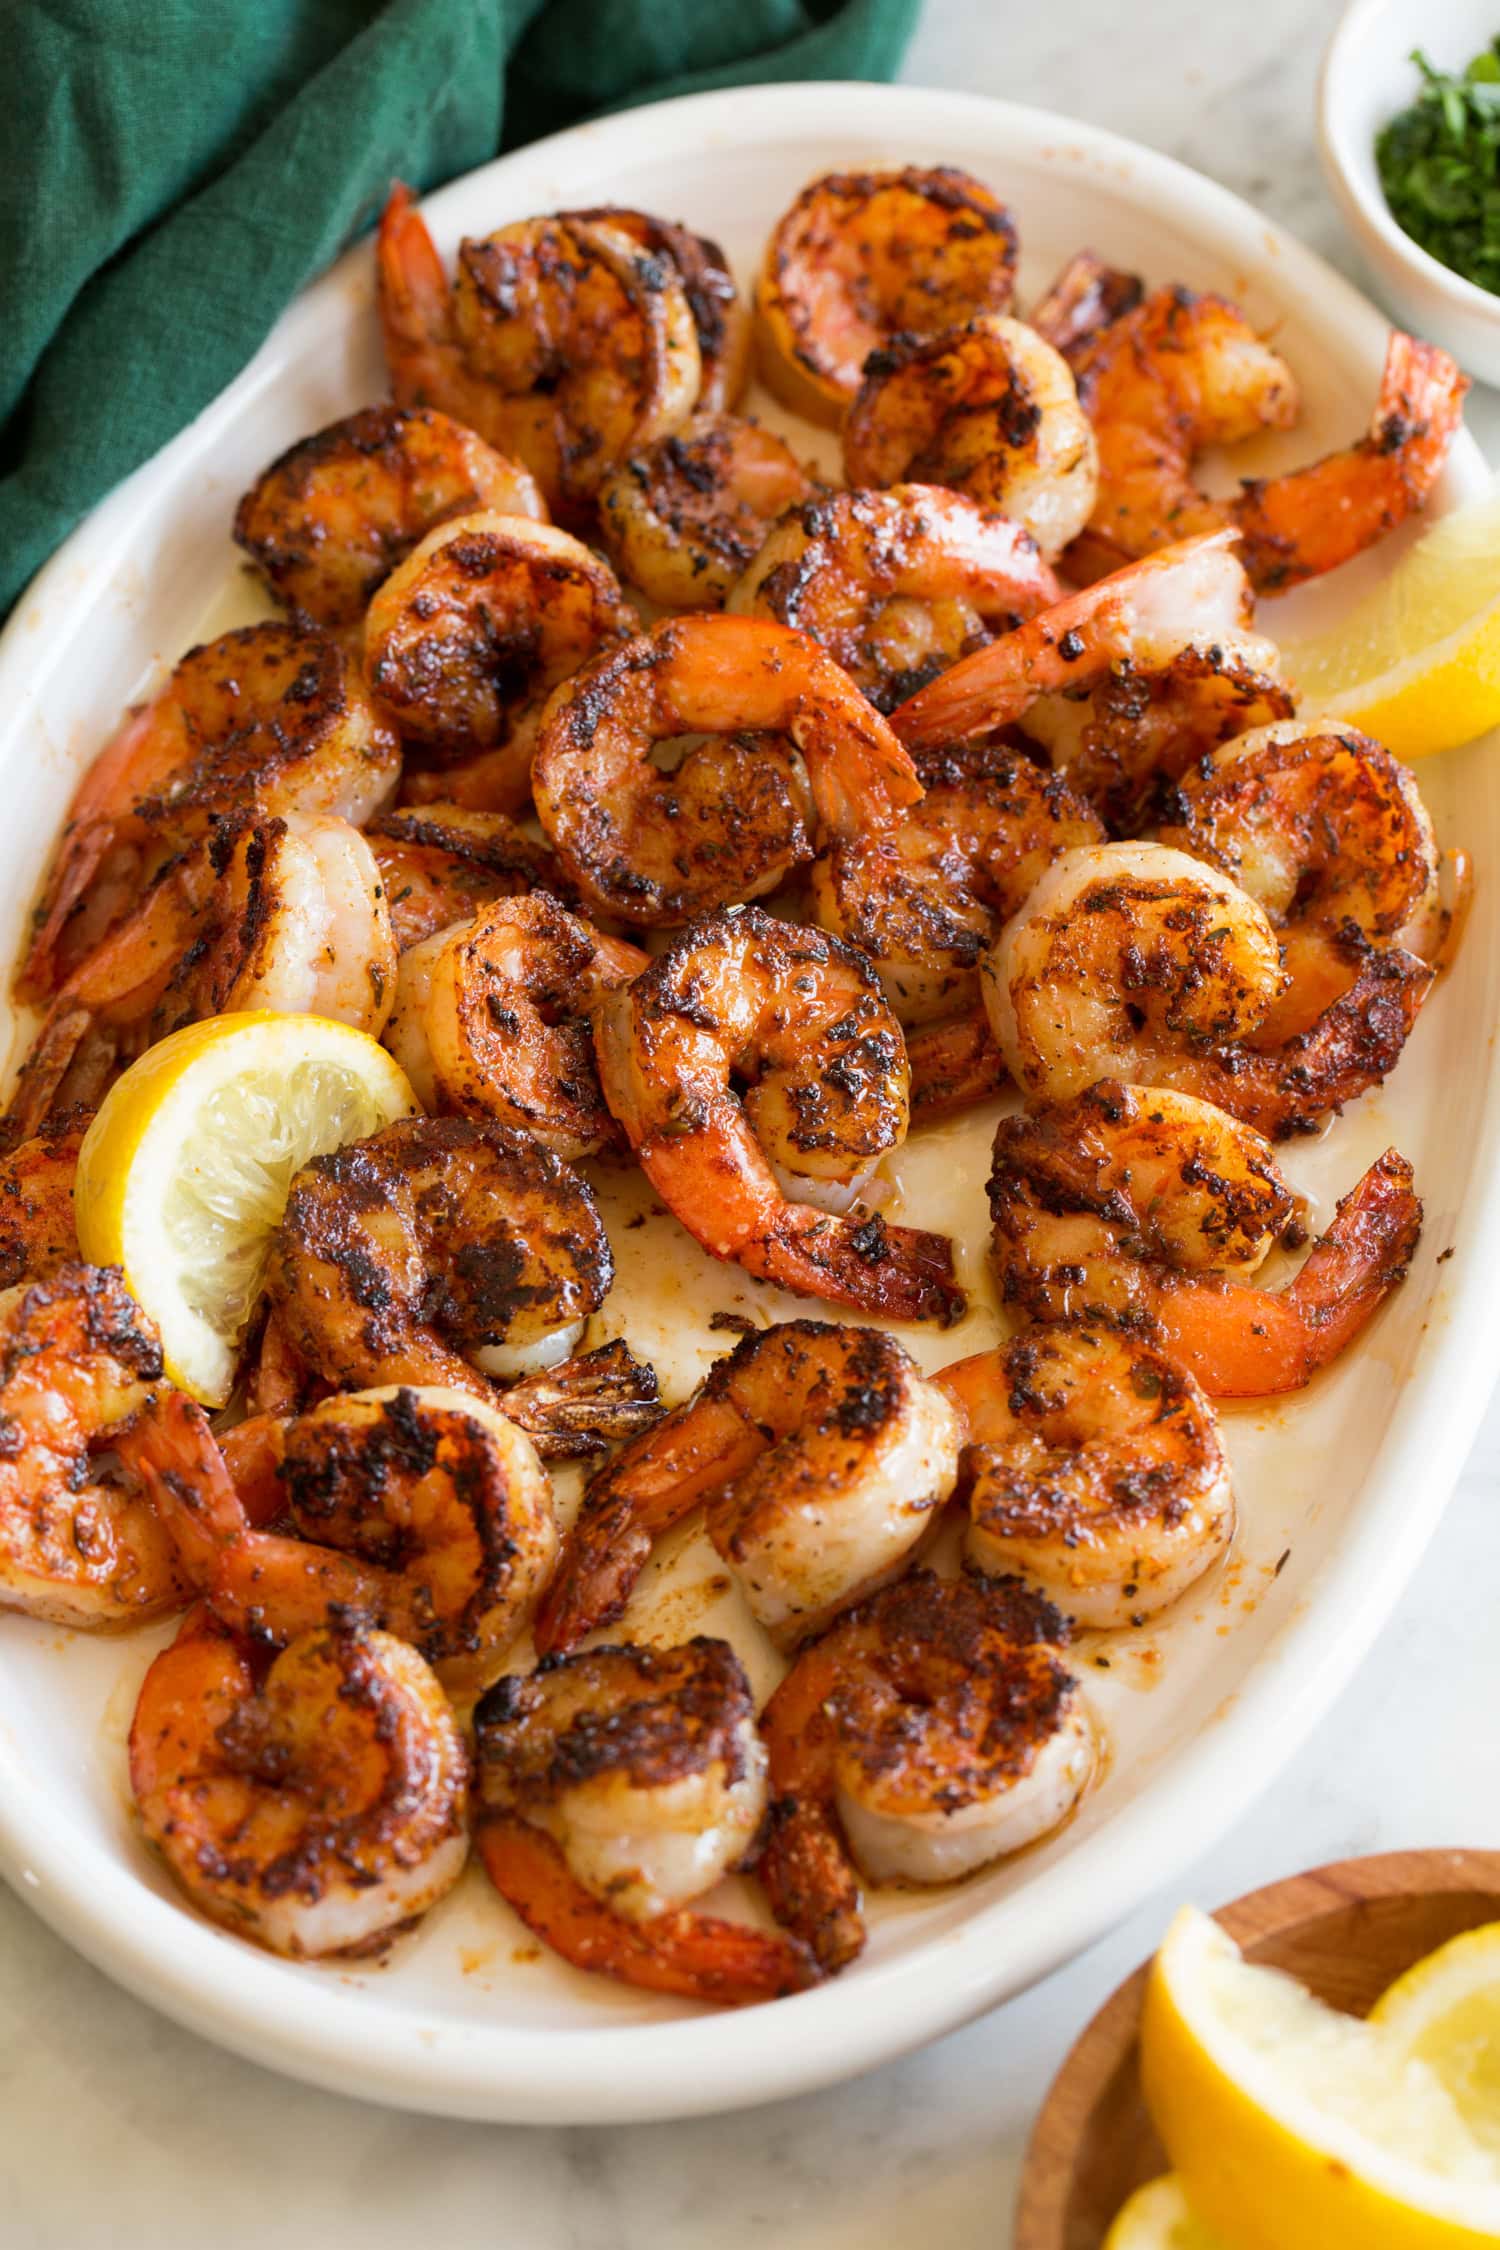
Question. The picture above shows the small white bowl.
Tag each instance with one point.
(1368, 77)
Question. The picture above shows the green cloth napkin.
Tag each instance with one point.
(179, 169)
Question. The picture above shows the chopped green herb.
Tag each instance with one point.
(1439, 164)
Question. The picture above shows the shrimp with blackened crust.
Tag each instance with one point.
(1135, 960)
(1085, 296)
(896, 585)
(268, 720)
(864, 257)
(423, 1510)
(1093, 1468)
(734, 816)
(494, 1018)
(933, 1729)
(37, 1231)
(1152, 1212)
(562, 341)
(684, 518)
(617, 1786)
(990, 410)
(316, 1802)
(465, 641)
(799, 1020)
(721, 318)
(332, 516)
(822, 1456)
(441, 862)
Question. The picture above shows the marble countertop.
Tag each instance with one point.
(118, 2129)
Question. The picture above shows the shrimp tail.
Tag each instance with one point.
(954, 1064)
(173, 1451)
(415, 305)
(865, 780)
(811, 1883)
(586, 1403)
(1086, 296)
(900, 1273)
(697, 1956)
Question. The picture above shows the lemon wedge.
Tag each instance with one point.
(1159, 2217)
(1445, 2012)
(1292, 2127)
(1417, 662)
(183, 1175)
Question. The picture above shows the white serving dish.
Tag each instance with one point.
(1351, 1478)
(1368, 77)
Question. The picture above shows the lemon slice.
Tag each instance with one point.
(1159, 2217)
(1445, 2012)
(183, 1175)
(1292, 2127)
(1417, 662)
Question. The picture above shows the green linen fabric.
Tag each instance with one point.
(176, 170)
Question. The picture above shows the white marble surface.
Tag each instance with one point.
(117, 2129)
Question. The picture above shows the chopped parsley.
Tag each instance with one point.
(1439, 164)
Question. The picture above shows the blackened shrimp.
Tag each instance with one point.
(1326, 831)
(615, 1788)
(823, 1458)
(332, 517)
(1185, 371)
(864, 257)
(1153, 1211)
(1135, 960)
(80, 1543)
(932, 1730)
(442, 862)
(268, 720)
(423, 1510)
(37, 1233)
(1094, 1469)
(439, 1251)
(1086, 295)
(682, 519)
(467, 638)
(799, 1020)
(734, 816)
(288, 915)
(562, 341)
(493, 1018)
(317, 1804)
(896, 585)
(990, 410)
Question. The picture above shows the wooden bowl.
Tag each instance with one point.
(1346, 1931)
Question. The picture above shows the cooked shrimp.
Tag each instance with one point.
(1154, 1211)
(1329, 835)
(423, 1510)
(1195, 596)
(1135, 959)
(442, 862)
(37, 1234)
(328, 520)
(563, 342)
(1094, 1469)
(288, 915)
(800, 1020)
(1085, 297)
(932, 1730)
(823, 1457)
(734, 817)
(896, 585)
(269, 720)
(864, 257)
(493, 1018)
(1185, 371)
(465, 641)
(403, 1256)
(615, 1787)
(720, 315)
(318, 1806)
(923, 898)
(682, 519)
(79, 1545)
(991, 410)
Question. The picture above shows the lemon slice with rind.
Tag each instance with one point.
(1417, 662)
(183, 1175)
(1445, 2012)
(1159, 2217)
(1292, 2127)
